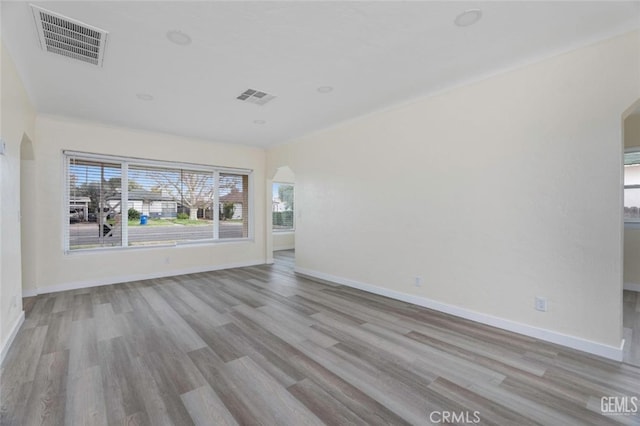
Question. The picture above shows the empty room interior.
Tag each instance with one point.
(287, 213)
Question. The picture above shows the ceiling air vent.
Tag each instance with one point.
(255, 97)
(68, 37)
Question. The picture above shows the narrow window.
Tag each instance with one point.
(282, 207)
(95, 201)
(233, 205)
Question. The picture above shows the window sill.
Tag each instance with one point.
(632, 225)
(102, 250)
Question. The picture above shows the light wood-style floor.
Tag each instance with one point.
(631, 324)
(260, 345)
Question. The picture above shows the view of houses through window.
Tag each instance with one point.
(123, 203)
(632, 186)
(282, 207)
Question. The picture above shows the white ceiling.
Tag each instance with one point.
(374, 55)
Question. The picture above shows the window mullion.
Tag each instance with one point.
(124, 216)
(67, 201)
(216, 205)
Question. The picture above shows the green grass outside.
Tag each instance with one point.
(165, 222)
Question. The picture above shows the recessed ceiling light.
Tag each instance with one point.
(468, 17)
(178, 37)
(324, 89)
(259, 122)
(144, 96)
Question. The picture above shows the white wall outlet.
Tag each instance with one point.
(418, 281)
(3, 146)
(14, 301)
(541, 304)
(167, 260)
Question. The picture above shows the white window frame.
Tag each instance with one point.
(630, 223)
(125, 162)
(293, 217)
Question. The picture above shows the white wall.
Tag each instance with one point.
(540, 211)
(58, 271)
(632, 131)
(632, 235)
(16, 122)
(284, 240)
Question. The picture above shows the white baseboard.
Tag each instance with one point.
(138, 277)
(595, 348)
(4, 349)
(632, 286)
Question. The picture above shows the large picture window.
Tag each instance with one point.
(282, 207)
(632, 186)
(122, 202)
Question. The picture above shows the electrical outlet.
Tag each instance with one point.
(541, 304)
(418, 281)
(167, 260)
(14, 301)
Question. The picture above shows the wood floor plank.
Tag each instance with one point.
(404, 402)
(323, 405)
(85, 403)
(181, 332)
(123, 399)
(265, 346)
(213, 369)
(49, 389)
(206, 408)
(110, 324)
(83, 350)
(265, 397)
(365, 407)
(488, 411)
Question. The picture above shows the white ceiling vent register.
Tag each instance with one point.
(68, 37)
(255, 97)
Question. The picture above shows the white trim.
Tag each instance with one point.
(595, 348)
(29, 293)
(139, 277)
(11, 337)
(216, 205)
(124, 205)
(250, 213)
(160, 163)
(632, 286)
(65, 201)
(285, 247)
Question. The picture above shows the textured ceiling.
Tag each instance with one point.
(373, 54)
